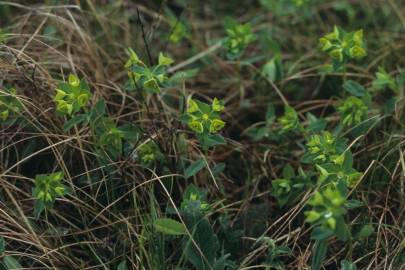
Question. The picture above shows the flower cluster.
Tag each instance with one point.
(48, 187)
(150, 79)
(149, 153)
(203, 118)
(352, 110)
(328, 207)
(71, 96)
(334, 163)
(322, 146)
(289, 121)
(239, 36)
(342, 46)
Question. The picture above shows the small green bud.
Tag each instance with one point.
(164, 60)
(216, 125)
(337, 54)
(331, 222)
(316, 199)
(357, 52)
(4, 115)
(358, 37)
(217, 106)
(196, 126)
(312, 216)
(152, 85)
(192, 106)
(83, 99)
(59, 94)
(325, 44)
(74, 80)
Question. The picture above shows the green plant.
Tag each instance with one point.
(10, 105)
(178, 29)
(149, 79)
(384, 80)
(343, 46)
(71, 96)
(149, 154)
(204, 120)
(239, 37)
(151, 186)
(274, 253)
(323, 147)
(202, 250)
(352, 111)
(288, 188)
(109, 136)
(329, 204)
(289, 121)
(48, 187)
(328, 208)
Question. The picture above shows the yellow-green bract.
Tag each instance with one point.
(71, 96)
(204, 118)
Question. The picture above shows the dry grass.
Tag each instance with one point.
(103, 221)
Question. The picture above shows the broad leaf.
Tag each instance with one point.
(354, 88)
(194, 168)
(319, 253)
(169, 226)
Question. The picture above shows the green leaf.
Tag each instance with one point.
(74, 121)
(348, 161)
(11, 263)
(288, 172)
(351, 204)
(169, 226)
(181, 76)
(194, 168)
(354, 88)
(346, 265)
(342, 231)
(207, 241)
(164, 60)
(131, 132)
(98, 110)
(122, 265)
(213, 140)
(270, 70)
(321, 233)
(152, 86)
(319, 253)
(39, 207)
(219, 168)
(365, 232)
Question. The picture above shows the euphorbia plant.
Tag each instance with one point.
(48, 187)
(352, 110)
(205, 121)
(149, 154)
(343, 46)
(10, 106)
(329, 203)
(290, 121)
(71, 96)
(148, 79)
(239, 37)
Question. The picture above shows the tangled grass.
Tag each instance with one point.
(105, 219)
